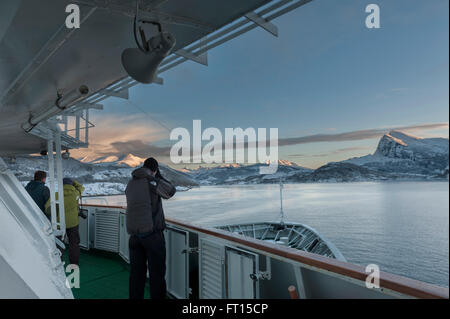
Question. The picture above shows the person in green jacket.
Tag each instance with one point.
(72, 192)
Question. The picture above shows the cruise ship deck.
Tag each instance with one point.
(103, 275)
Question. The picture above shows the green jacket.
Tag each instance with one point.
(71, 195)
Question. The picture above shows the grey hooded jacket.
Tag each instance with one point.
(144, 208)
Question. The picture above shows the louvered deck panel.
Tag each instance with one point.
(211, 270)
(107, 230)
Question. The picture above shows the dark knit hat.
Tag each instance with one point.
(151, 164)
(67, 181)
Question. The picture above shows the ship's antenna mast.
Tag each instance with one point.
(281, 202)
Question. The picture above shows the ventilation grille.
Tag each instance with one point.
(107, 230)
(211, 270)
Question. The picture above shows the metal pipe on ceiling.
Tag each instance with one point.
(63, 102)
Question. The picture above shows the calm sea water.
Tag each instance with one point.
(401, 226)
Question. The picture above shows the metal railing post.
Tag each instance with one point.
(86, 129)
(59, 176)
(51, 176)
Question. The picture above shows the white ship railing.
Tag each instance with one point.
(234, 266)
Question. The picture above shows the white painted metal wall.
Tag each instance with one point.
(124, 250)
(30, 264)
(83, 228)
(241, 268)
(177, 262)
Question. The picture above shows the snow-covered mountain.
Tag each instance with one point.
(398, 157)
(340, 172)
(128, 160)
(245, 174)
(104, 178)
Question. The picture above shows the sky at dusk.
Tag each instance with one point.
(326, 74)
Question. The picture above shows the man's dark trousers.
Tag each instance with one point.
(73, 234)
(148, 250)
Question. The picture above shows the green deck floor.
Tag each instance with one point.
(103, 275)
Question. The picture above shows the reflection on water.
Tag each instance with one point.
(402, 226)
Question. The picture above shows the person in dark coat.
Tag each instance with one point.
(37, 189)
(145, 224)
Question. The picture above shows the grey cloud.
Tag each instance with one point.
(355, 135)
(335, 152)
(142, 149)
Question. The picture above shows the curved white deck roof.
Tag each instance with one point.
(40, 56)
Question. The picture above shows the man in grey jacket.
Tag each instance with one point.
(145, 224)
